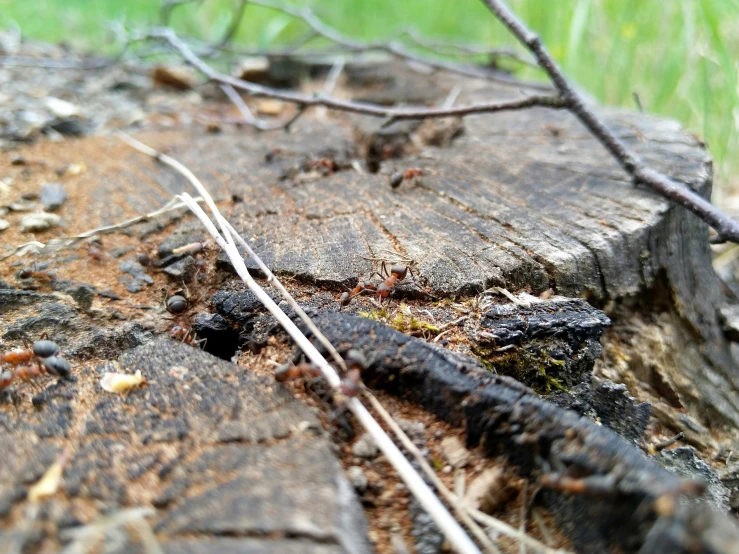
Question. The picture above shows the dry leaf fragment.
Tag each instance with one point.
(49, 483)
(455, 452)
(120, 383)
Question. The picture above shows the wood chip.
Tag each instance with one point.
(455, 452)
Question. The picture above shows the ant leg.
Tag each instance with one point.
(380, 275)
(384, 270)
(413, 275)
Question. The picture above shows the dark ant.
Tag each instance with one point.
(177, 305)
(397, 177)
(30, 363)
(272, 154)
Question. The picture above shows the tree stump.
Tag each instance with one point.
(524, 201)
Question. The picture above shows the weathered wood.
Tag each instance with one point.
(217, 450)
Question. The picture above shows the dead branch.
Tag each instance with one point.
(458, 49)
(394, 47)
(727, 228)
(234, 25)
(320, 99)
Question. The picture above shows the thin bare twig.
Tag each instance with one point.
(726, 227)
(394, 48)
(320, 99)
(458, 49)
(249, 118)
(71, 240)
(234, 25)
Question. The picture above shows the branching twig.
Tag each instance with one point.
(319, 99)
(727, 228)
(225, 239)
(459, 49)
(70, 240)
(394, 48)
(234, 25)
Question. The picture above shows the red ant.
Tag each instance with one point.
(409, 174)
(398, 272)
(362, 286)
(33, 273)
(95, 250)
(29, 363)
(397, 177)
(325, 165)
(351, 385)
(287, 372)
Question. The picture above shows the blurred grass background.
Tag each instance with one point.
(680, 57)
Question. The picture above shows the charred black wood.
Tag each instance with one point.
(549, 345)
(604, 491)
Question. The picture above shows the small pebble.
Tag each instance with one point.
(357, 478)
(4, 225)
(61, 108)
(415, 430)
(365, 447)
(41, 221)
(53, 196)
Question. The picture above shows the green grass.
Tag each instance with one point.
(681, 57)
